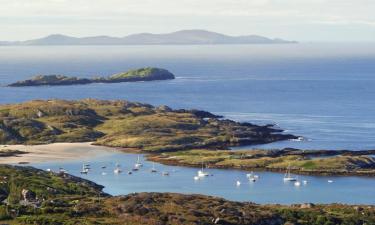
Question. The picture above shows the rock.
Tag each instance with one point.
(164, 108)
(307, 206)
(28, 196)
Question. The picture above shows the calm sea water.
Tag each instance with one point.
(270, 188)
(324, 92)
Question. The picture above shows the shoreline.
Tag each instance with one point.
(29, 154)
(53, 152)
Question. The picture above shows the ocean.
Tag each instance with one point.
(321, 91)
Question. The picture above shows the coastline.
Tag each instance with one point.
(53, 152)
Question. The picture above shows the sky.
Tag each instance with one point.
(301, 20)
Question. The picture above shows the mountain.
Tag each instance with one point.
(183, 37)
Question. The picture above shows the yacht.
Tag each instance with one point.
(288, 177)
(252, 177)
(84, 169)
(201, 172)
(153, 170)
(117, 170)
(138, 164)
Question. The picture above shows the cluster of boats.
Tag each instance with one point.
(117, 170)
(200, 174)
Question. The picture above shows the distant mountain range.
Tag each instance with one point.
(183, 37)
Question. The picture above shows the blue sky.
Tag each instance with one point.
(302, 20)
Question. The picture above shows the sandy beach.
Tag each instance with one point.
(53, 152)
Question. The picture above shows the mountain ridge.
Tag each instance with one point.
(182, 37)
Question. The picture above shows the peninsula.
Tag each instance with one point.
(33, 196)
(130, 125)
(308, 162)
(142, 74)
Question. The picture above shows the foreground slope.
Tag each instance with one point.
(34, 196)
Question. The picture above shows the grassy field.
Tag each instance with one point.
(63, 199)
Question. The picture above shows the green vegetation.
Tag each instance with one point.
(143, 74)
(125, 124)
(299, 161)
(37, 197)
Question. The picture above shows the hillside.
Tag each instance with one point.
(183, 37)
(34, 196)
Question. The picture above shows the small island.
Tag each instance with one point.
(142, 74)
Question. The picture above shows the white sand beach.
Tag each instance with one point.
(53, 152)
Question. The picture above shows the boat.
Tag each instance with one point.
(252, 177)
(196, 178)
(288, 177)
(130, 172)
(201, 172)
(238, 183)
(330, 181)
(117, 170)
(153, 170)
(297, 183)
(62, 170)
(135, 169)
(103, 167)
(84, 170)
(165, 173)
(138, 164)
(305, 182)
(104, 173)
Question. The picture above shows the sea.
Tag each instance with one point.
(321, 91)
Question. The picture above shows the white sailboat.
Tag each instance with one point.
(252, 177)
(84, 169)
(153, 170)
(117, 170)
(288, 177)
(201, 172)
(138, 164)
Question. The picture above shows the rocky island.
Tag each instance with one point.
(142, 74)
(33, 196)
(129, 125)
